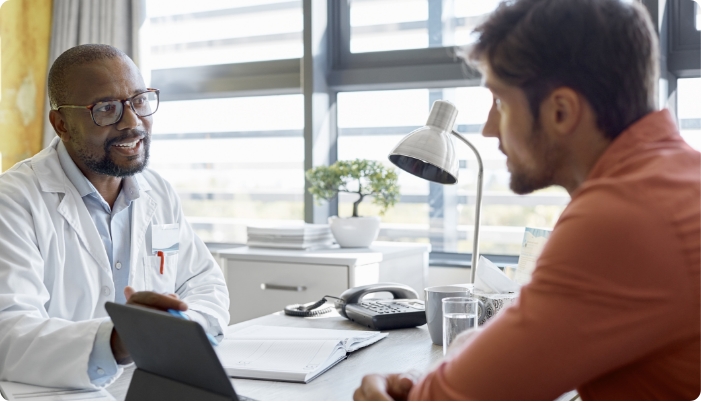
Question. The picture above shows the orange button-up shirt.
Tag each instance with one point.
(613, 307)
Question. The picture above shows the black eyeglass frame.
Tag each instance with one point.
(123, 101)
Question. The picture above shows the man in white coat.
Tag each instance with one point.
(85, 222)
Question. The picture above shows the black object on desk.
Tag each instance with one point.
(174, 358)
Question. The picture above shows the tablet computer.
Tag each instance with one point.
(171, 348)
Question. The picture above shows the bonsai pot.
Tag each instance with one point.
(355, 232)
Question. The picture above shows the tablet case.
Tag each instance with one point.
(174, 358)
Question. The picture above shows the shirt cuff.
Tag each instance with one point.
(102, 367)
(210, 324)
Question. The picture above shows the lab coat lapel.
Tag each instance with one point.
(76, 214)
(53, 179)
(144, 208)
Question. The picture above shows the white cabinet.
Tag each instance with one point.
(262, 281)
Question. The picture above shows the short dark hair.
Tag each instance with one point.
(75, 56)
(606, 50)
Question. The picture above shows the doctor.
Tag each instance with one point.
(84, 222)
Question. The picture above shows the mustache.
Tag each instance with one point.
(129, 135)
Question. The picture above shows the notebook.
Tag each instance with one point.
(287, 353)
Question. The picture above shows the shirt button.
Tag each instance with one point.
(118, 265)
(100, 371)
(105, 291)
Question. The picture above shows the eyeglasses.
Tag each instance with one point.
(110, 112)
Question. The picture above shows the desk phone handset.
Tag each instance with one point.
(405, 310)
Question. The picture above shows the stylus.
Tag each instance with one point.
(180, 314)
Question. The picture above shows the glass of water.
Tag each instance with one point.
(459, 314)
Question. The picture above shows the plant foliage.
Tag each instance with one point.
(360, 176)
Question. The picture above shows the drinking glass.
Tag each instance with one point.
(459, 314)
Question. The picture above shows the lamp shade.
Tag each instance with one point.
(428, 152)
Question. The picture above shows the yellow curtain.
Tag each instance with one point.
(25, 32)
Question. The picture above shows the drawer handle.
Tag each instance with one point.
(266, 286)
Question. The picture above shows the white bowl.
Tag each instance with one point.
(355, 232)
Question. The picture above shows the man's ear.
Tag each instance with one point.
(58, 122)
(562, 111)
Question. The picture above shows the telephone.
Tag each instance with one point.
(405, 310)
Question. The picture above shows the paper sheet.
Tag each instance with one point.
(533, 242)
(276, 355)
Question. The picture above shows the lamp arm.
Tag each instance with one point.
(478, 206)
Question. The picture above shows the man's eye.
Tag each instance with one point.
(105, 108)
(139, 100)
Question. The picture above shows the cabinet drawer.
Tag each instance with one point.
(258, 288)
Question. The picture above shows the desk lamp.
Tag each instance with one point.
(428, 153)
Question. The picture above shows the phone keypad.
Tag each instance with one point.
(386, 308)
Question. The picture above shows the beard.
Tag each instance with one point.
(106, 165)
(527, 179)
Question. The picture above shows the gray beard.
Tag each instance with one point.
(106, 166)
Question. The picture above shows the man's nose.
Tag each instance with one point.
(491, 126)
(129, 118)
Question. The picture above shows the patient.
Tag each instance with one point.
(613, 306)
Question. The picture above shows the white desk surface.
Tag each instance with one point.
(376, 253)
(402, 350)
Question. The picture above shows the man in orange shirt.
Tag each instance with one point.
(613, 308)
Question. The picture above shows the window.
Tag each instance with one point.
(233, 161)
(689, 110)
(230, 134)
(410, 24)
(429, 212)
(188, 33)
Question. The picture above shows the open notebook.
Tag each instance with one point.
(288, 354)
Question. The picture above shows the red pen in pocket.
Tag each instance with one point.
(163, 257)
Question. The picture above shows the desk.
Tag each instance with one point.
(402, 350)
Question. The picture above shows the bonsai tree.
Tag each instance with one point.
(360, 176)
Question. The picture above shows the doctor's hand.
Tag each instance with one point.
(152, 300)
(387, 387)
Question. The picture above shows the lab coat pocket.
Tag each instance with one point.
(164, 282)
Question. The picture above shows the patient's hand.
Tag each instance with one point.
(379, 387)
(145, 299)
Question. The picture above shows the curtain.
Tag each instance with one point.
(110, 22)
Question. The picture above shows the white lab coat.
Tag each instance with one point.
(55, 276)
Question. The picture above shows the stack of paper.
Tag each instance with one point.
(299, 237)
(288, 354)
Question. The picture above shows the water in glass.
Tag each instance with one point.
(454, 324)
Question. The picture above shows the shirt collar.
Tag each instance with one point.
(130, 184)
(651, 131)
(81, 183)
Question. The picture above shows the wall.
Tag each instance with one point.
(25, 30)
